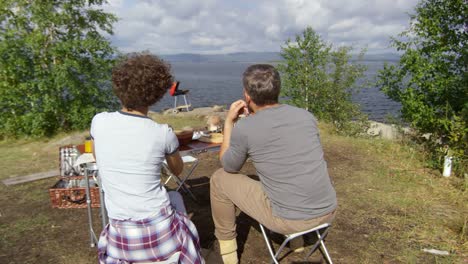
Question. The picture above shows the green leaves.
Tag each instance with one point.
(55, 65)
(430, 80)
(321, 79)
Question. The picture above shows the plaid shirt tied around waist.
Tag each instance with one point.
(152, 239)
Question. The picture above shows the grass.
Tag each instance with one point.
(179, 122)
(390, 206)
(26, 156)
(398, 203)
(22, 157)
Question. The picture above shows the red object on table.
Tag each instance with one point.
(81, 148)
(184, 137)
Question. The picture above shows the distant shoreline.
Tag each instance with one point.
(258, 57)
(213, 83)
(377, 129)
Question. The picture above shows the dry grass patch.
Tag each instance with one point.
(393, 205)
(26, 156)
(179, 122)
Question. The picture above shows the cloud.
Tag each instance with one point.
(209, 26)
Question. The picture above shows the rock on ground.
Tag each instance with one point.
(386, 131)
(201, 111)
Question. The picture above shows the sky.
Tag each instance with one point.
(227, 26)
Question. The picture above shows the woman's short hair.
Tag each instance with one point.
(141, 80)
(262, 83)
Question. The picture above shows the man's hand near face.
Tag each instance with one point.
(238, 107)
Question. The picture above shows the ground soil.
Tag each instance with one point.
(252, 248)
(385, 206)
(60, 235)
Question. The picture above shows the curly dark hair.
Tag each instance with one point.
(141, 80)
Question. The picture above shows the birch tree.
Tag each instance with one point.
(322, 79)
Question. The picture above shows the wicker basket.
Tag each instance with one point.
(75, 197)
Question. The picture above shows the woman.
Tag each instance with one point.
(129, 149)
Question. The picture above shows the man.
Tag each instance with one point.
(294, 192)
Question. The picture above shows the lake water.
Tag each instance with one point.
(219, 83)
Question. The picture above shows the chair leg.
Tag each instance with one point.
(168, 179)
(267, 241)
(180, 183)
(317, 244)
(103, 206)
(165, 170)
(187, 190)
(194, 166)
(188, 100)
(324, 251)
(186, 104)
(175, 102)
(283, 245)
(320, 243)
(181, 186)
(324, 248)
(321, 246)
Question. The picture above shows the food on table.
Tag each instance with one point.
(212, 138)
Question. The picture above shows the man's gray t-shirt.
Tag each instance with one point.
(284, 144)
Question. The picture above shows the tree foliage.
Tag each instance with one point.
(322, 79)
(55, 65)
(430, 80)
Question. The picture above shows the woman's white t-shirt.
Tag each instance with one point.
(129, 152)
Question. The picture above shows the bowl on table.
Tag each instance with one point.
(184, 136)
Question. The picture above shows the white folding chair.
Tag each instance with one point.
(320, 231)
(181, 180)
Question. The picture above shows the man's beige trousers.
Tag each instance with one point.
(229, 190)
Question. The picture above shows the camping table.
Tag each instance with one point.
(187, 152)
(193, 148)
(196, 147)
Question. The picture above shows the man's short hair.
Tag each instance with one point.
(141, 80)
(262, 83)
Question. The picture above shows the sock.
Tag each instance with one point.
(228, 250)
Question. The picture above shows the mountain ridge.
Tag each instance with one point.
(259, 57)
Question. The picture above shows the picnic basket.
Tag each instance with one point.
(61, 194)
(74, 197)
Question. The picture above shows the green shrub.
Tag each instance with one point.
(54, 65)
(430, 80)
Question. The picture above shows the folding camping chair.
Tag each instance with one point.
(175, 92)
(320, 231)
(91, 169)
(181, 180)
